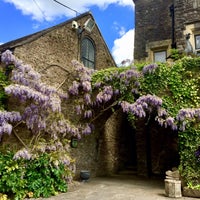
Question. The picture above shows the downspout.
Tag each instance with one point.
(171, 8)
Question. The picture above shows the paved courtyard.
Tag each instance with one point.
(118, 187)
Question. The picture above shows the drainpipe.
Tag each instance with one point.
(171, 8)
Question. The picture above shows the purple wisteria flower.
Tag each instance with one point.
(122, 75)
(162, 112)
(88, 114)
(65, 161)
(149, 68)
(87, 98)
(134, 108)
(142, 104)
(87, 130)
(74, 89)
(187, 115)
(7, 57)
(50, 148)
(55, 103)
(105, 95)
(170, 121)
(5, 119)
(134, 91)
(152, 100)
(86, 86)
(78, 110)
(23, 154)
(116, 92)
(10, 116)
(132, 73)
(5, 128)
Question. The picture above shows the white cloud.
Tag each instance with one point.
(48, 10)
(120, 29)
(123, 47)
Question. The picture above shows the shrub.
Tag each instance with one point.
(38, 177)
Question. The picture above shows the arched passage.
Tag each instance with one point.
(147, 149)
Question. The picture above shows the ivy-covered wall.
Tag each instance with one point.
(149, 96)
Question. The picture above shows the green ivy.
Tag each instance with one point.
(178, 84)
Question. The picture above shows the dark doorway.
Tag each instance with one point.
(127, 146)
(147, 150)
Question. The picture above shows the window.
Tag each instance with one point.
(160, 56)
(197, 44)
(197, 41)
(88, 53)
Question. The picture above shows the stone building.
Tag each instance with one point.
(50, 52)
(115, 145)
(76, 39)
(165, 24)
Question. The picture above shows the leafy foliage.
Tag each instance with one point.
(31, 178)
(168, 92)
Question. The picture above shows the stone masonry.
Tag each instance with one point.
(50, 52)
(154, 23)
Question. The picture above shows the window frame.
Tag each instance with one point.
(195, 40)
(87, 61)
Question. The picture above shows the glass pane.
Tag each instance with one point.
(160, 56)
(91, 65)
(91, 54)
(87, 53)
(197, 41)
(84, 48)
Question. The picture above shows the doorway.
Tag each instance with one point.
(147, 150)
(127, 147)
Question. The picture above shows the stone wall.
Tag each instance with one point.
(152, 23)
(148, 150)
(61, 45)
(109, 140)
(187, 12)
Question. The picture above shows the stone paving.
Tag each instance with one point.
(118, 187)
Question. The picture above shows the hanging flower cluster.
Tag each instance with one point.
(6, 119)
(142, 105)
(83, 79)
(187, 115)
(46, 100)
(27, 86)
(88, 92)
(149, 69)
(105, 95)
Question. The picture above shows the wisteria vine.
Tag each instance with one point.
(90, 94)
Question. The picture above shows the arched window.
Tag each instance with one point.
(88, 53)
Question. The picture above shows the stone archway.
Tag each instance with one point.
(148, 149)
(156, 148)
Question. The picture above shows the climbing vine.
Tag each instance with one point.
(170, 92)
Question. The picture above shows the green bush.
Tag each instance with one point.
(38, 177)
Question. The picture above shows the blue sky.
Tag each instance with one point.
(115, 18)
